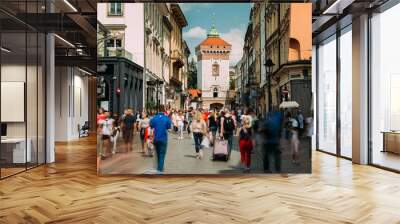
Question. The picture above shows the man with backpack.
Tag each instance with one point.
(228, 126)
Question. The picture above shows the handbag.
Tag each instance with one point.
(205, 143)
(150, 146)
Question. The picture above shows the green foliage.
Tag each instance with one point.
(192, 75)
(151, 105)
(232, 84)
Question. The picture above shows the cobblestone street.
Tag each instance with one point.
(180, 159)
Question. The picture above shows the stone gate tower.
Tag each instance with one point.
(213, 69)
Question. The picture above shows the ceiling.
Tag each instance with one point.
(74, 21)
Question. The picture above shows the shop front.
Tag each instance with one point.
(120, 85)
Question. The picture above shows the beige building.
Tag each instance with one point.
(289, 47)
(154, 52)
(177, 78)
(184, 77)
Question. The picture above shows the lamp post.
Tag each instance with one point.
(269, 65)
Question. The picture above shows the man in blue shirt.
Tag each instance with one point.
(160, 124)
(272, 132)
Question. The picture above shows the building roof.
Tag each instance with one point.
(213, 37)
(178, 14)
(214, 41)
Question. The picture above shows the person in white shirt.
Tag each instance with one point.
(300, 119)
(180, 121)
(294, 140)
(107, 127)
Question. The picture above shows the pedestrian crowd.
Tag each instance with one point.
(216, 129)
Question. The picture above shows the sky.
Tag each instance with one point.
(231, 21)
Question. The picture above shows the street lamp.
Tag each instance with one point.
(269, 64)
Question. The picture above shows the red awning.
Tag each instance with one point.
(194, 92)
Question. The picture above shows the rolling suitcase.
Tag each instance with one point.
(220, 150)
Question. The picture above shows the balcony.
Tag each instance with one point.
(231, 95)
(177, 56)
(119, 52)
(174, 81)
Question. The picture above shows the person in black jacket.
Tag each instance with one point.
(228, 126)
(212, 124)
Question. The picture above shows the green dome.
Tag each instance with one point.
(213, 31)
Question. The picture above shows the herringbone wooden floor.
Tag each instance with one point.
(70, 191)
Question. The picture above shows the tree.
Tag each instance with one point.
(232, 84)
(192, 75)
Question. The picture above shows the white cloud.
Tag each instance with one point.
(195, 33)
(235, 37)
(186, 7)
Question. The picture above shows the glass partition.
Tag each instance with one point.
(346, 92)
(22, 101)
(385, 89)
(13, 94)
(327, 95)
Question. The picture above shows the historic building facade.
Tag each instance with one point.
(154, 54)
(142, 62)
(176, 88)
(213, 70)
(289, 47)
(120, 60)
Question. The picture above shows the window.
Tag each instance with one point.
(115, 9)
(215, 69)
(385, 89)
(118, 43)
(215, 92)
(346, 93)
(114, 43)
(327, 95)
(22, 82)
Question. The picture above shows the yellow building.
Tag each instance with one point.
(154, 57)
(288, 46)
(177, 77)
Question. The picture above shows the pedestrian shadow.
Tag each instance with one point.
(190, 156)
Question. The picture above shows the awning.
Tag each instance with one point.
(194, 92)
(288, 104)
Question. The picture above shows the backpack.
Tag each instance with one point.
(229, 125)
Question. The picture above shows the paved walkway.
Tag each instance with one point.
(180, 159)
